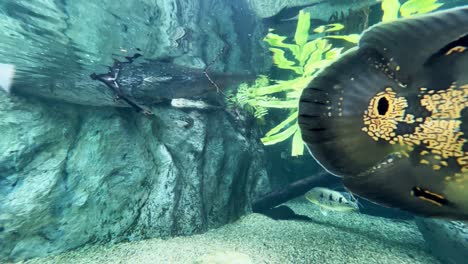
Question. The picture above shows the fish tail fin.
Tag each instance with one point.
(7, 72)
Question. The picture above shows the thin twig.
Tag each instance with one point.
(215, 59)
(218, 90)
(211, 81)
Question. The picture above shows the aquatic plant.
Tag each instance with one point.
(305, 59)
(243, 97)
(392, 8)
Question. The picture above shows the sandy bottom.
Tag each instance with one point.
(335, 238)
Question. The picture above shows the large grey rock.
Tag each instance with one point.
(73, 175)
(447, 240)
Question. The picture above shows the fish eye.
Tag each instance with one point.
(382, 105)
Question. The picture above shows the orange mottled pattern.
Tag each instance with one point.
(440, 133)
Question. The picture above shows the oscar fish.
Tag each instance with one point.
(390, 116)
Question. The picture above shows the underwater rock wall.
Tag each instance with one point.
(73, 175)
(66, 41)
(195, 30)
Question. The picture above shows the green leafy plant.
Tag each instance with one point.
(304, 58)
(243, 97)
(393, 9)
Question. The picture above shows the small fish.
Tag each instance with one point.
(390, 116)
(7, 72)
(331, 200)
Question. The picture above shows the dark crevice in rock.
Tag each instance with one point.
(131, 228)
(202, 171)
(177, 191)
(77, 128)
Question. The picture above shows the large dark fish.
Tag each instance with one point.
(391, 117)
(155, 81)
(137, 84)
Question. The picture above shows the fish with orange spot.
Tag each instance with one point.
(391, 116)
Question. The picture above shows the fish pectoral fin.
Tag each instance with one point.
(7, 72)
(323, 211)
(427, 35)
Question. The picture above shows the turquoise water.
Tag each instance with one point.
(105, 171)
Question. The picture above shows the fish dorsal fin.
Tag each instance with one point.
(408, 43)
